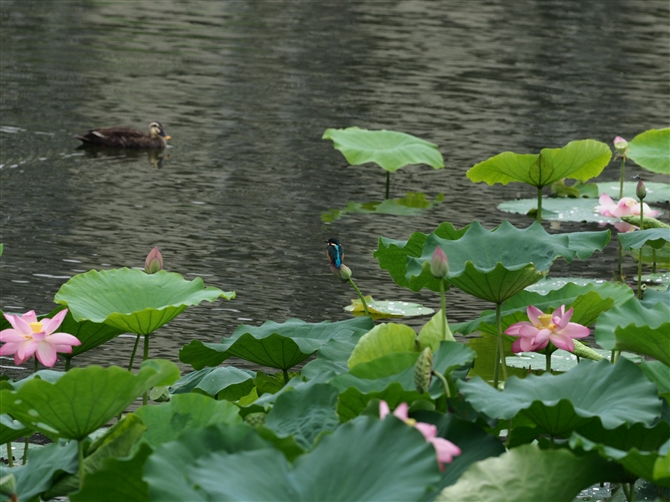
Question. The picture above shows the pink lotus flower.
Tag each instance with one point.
(445, 450)
(29, 336)
(627, 206)
(544, 328)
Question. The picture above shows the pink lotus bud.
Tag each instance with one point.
(154, 261)
(640, 191)
(621, 145)
(439, 264)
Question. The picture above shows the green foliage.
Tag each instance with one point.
(580, 160)
(390, 150)
(431, 333)
(387, 308)
(412, 204)
(656, 191)
(651, 150)
(654, 237)
(381, 340)
(132, 300)
(221, 382)
(559, 209)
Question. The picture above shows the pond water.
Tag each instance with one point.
(246, 89)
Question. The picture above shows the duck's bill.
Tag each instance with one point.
(167, 137)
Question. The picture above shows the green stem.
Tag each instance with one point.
(621, 278)
(500, 349)
(628, 491)
(547, 359)
(36, 365)
(80, 448)
(144, 358)
(444, 310)
(538, 216)
(360, 295)
(68, 360)
(285, 372)
(132, 356)
(623, 171)
(25, 450)
(444, 382)
(639, 263)
(10, 454)
(388, 183)
(653, 259)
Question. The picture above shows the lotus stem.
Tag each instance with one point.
(285, 373)
(621, 277)
(623, 171)
(10, 456)
(388, 184)
(444, 310)
(628, 491)
(144, 358)
(639, 263)
(132, 356)
(547, 359)
(80, 448)
(68, 360)
(36, 365)
(538, 215)
(444, 382)
(653, 260)
(25, 449)
(360, 295)
(500, 349)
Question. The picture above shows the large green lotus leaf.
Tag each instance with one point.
(334, 470)
(117, 479)
(11, 429)
(615, 394)
(132, 300)
(381, 340)
(642, 327)
(332, 356)
(495, 265)
(588, 300)
(227, 382)
(656, 191)
(353, 402)
(83, 399)
(167, 421)
(654, 237)
(637, 460)
(651, 150)
(304, 413)
(581, 160)
(167, 470)
(412, 204)
(277, 345)
(559, 209)
(45, 465)
(392, 254)
(526, 473)
(657, 372)
(391, 150)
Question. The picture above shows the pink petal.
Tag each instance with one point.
(563, 319)
(563, 342)
(445, 450)
(401, 411)
(9, 348)
(606, 200)
(18, 360)
(63, 339)
(574, 330)
(428, 430)
(383, 409)
(50, 325)
(20, 324)
(26, 349)
(542, 336)
(11, 335)
(514, 328)
(529, 331)
(63, 349)
(46, 353)
(516, 346)
(534, 314)
(29, 316)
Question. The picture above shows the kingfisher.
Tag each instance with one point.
(335, 253)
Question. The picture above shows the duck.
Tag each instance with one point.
(125, 137)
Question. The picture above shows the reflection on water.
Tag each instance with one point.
(246, 90)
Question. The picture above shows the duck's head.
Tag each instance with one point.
(156, 129)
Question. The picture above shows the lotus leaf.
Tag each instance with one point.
(132, 300)
(11, 429)
(562, 403)
(526, 473)
(559, 209)
(642, 327)
(391, 150)
(656, 191)
(83, 399)
(495, 265)
(387, 308)
(390, 447)
(228, 382)
(413, 204)
(657, 372)
(651, 150)
(580, 160)
(272, 344)
(381, 340)
(431, 333)
(654, 237)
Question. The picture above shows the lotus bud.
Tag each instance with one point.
(423, 370)
(439, 264)
(640, 191)
(154, 261)
(621, 145)
(343, 272)
(255, 419)
(8, 485)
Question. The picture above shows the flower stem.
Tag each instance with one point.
(360, 295)
(444, 310)
(80, 448)
(36, 366)
(132, 356)
(25, 449)
(285, 373)
(144, 358)
(623, 171)
(10, 454)
(68, 360)
(500, 349)
(388, 183)
(639, 263)
(547, 358)
(444, 382)
(538, 215)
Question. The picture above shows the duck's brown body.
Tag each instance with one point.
(123, 137)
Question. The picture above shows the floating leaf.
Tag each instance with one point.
(383, 339)
(561, 403)
(390, 150)
(559, 209)
(581, 160)
(642, 327)
(654, 237)
(412, 204)
(390, 447)
(132, 300)
(273, 344)
(651, 150)
(387, 308)
(656, 191)
(526, 473)
(83, 399)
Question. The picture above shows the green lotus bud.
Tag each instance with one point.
(344, 273)
(8, 484)
(255, 419)
(423, 370)
(621, 145)
(640, 191)
(439, 264)
(154, 261)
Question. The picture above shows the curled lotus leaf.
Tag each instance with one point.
(651, 150)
